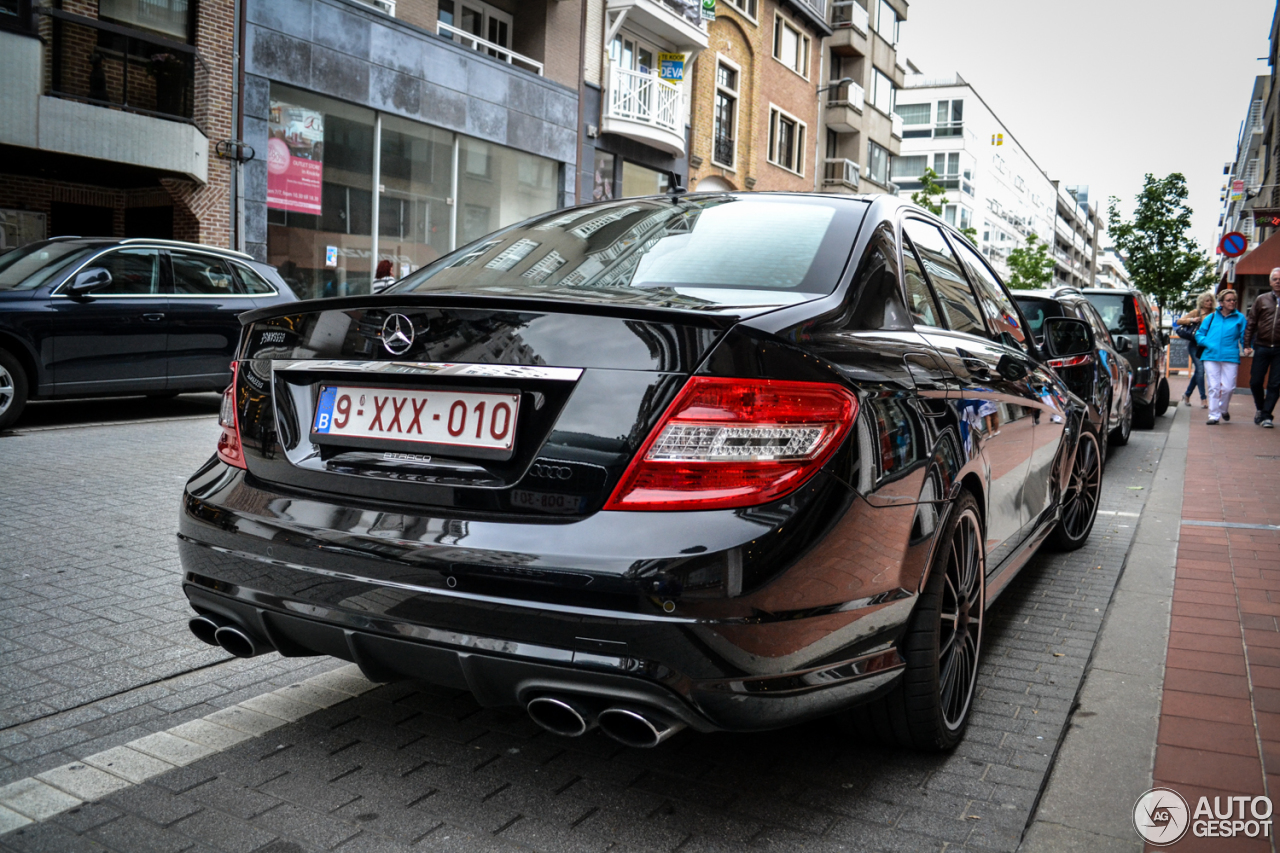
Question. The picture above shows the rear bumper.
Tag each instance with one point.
(315, 578)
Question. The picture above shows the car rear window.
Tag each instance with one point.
(31, 266)
(692, 247)
(1117, 311)
(1037, 309)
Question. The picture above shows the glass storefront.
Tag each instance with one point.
(320, 199)
(638, 181)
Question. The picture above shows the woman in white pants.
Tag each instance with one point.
(1220, 334)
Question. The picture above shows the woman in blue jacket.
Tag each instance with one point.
(1220, 334)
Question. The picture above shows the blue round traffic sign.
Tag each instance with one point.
(1233, 244)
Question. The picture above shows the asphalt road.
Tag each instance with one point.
(94, 654)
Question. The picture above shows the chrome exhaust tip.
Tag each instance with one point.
(561, 715)
(205, 628)
(238, 642)
(636, 727)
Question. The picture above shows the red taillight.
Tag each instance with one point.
(229, 449)
(1071, 361)
(736, 442)
(1143, 349)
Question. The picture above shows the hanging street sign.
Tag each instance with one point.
(671, 66)
(1233, 244)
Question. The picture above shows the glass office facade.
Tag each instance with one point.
(436, 190)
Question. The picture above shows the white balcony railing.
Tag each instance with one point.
(847, 95)
(1254, 121)
(841, 172)
(497, 51)
(388, 6)
(896, 125)
(1252, 177)
(850, 13)
(644, 98)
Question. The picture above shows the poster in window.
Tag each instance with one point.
(295, 158)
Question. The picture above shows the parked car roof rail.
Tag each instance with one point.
(184, 245)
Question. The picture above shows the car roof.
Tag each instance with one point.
(150, 241)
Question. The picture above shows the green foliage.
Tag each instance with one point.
(1030, 267)
(970, 234)
(932, 195)
(1161, 259)
(1206, 278)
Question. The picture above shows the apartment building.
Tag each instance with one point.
(993, 185)
(862, 131)
(1111, 271)
(754, 105)
(1076, 228)
(1251, 190)
(112, 114)
(636, 82)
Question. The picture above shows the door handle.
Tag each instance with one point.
(153, 318)
(977, 367)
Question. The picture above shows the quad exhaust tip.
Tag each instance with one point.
(217, 631)
(561, 715)
(637, 727)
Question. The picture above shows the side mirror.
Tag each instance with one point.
(1065, 337)
(1164, 336)
(87, 281)
(1122, 343)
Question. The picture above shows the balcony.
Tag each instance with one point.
(1252, 175)
(946, 129)
(106, 92)
(840, 173)
(895, 125)
(845, 104)
(677, 24)
(495, 50)
(1254, 120)
(644, 108)
(850, 27)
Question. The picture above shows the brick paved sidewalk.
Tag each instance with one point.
(1220, 716)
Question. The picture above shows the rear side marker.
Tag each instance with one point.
(230, 450)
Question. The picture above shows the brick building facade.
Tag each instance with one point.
(115, 124)
(754, 103)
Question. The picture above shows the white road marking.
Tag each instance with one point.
(62, 788)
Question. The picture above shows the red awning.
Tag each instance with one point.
(1262, 260)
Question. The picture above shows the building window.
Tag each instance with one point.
(909, 167)
(878, 163)
(170, 17)
(957, 216)
(884, 95)
(477, 19)
(950, 119)
(947, 165)
(790, 46)
(786, 141)
(915, 113)
(887, 22)
(724, 138)
(746, 7)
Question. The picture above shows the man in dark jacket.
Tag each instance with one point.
(1262, 335)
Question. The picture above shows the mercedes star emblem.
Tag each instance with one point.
(397, 334)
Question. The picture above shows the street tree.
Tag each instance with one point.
(1162, 260)
(933, 195)
(1030, 267)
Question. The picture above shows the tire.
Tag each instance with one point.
(13, 389)
(1080, 497)
(1162, 398)
(1144, 417)
(928, 709)
(1119, 436)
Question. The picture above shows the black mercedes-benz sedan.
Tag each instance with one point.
(90, 317)
(717, 461)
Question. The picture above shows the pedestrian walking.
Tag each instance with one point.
(1221, 334)
(1262, 341)
(1191, 322)
(383, 277)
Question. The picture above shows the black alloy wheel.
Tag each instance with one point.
(1144, 415)
(1080, 497)
(929, 708)
(1119, 436)
(13, 389)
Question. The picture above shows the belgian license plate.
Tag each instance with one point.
(459, 418)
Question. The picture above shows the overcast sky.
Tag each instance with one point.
(1100, 92)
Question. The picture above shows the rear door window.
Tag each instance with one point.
(253, 282)
(959, 305)
(1037, 309)
(201, 275)
(1117, 311)
(920, 301)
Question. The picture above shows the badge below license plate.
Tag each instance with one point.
(456, 418)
